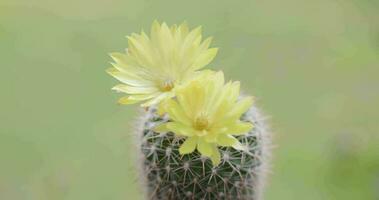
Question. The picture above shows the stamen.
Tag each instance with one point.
(201, 122)
(167, 85)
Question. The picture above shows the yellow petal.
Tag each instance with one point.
(205, 58)
(183, 29)
(161, 128)
(126, 78)
(142, 96)
(134, 90)
(190, 42)
(228, 97)
(126, 100)
(215, 93)
(185, 103)
(192, 36)
(239, 128)
(166, 41)
(119, 57)
(239, 146)
(204, 148)
(205, 44)
(234, 92)
(210, 137)
(175, 127)
(226, 140)
(141, 52)
(241, 107)
(162, 107)
(216, 158)
(176, 112)
(180, 129)
(173, 29)
(155, 28)
(123, 61)
(135, 98)
(127, 65)
(158, 99)
(188, 146)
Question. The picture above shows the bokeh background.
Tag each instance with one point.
(313, 65)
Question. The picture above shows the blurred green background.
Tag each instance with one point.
(313, 65)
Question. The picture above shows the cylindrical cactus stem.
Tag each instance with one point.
(169, 175)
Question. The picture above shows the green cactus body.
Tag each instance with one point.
(169, 175)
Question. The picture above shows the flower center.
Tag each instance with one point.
(167, 85)
(201, 123)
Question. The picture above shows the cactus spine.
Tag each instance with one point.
(169, 175)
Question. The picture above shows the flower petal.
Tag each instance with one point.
(176, 112)
(216, 158)
(126, 100)
(205, 58)
(161, 128)
(204, 148)
(239, 146)
(125, 63)
(136, 98)
(226, 140)
(134, 90)
(188, 146)
(175, 127)
(241, 107)
(180, 129)
(162, 107)
(239, 128)
(128, 79)
(158, 99)
(234, 92)
(210, 137)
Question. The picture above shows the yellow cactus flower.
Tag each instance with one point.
(154, 66)
(207, 112)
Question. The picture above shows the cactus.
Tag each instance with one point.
(169, 175)
(198, 140)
